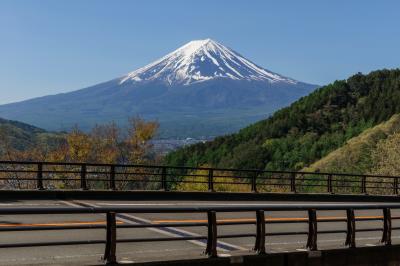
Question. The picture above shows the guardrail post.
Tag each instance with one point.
(164, 178)
(364, 185)
(211, 249)
(395, 185)
(293, 182)
(83, 177)
(39, 184)
(351, 229)
(111, 239)
(387, 227)
(259, 246)
(211, 180)
(254, 182)
(330, 188)
(112, 177)
(312, 230)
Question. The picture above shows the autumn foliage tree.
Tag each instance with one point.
(386, 156)
(109, 144)
(136, 144)
(103, 144)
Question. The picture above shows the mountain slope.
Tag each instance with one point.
(306, 131)
(201, 89)
(21, 136)
(355, 156)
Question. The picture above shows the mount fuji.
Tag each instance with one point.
(201, 89)
(199, 61)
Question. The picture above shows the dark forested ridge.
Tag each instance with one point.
(307, 130)
(21, 136)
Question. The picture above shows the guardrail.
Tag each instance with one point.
(58, 175)
(212, 224)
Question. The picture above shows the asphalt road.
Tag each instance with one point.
(150, 251)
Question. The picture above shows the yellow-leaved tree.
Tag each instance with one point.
(386, 156)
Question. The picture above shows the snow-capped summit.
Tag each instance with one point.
(201, 89)
(202, 60)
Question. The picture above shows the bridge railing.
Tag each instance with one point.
(260, 234)
(58, 175)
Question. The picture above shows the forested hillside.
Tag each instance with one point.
(360, 154)
(21, 136)
(307, 130)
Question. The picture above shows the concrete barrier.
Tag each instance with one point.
(175, 195)
(377, 256)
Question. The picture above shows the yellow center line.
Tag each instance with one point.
(57, 224)
(272, 219)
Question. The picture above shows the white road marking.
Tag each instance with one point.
(125, 261)
(70, 203)
(196, 242)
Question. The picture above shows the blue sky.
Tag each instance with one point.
(48, 47)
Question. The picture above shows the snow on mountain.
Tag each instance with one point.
(201, 89)
(199, 61)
